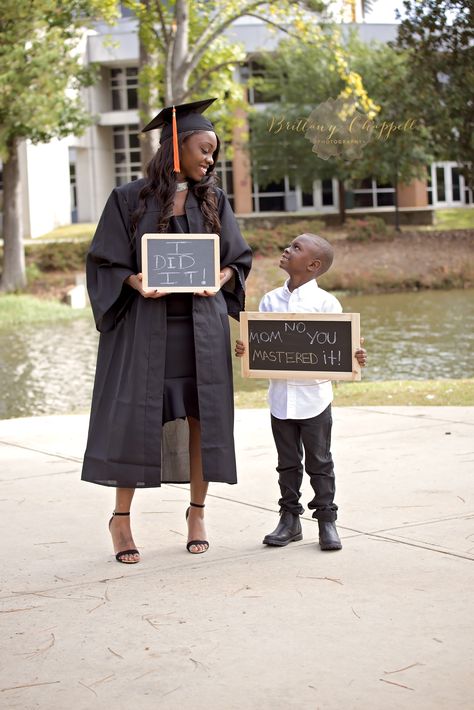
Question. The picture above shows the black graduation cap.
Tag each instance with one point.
(178, 119)
(188, 117)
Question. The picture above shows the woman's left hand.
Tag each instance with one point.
(225, 275)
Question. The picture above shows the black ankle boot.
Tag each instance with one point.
(328, 536)
(287, 530)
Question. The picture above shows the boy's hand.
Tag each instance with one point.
(239, 348)
(361, 354)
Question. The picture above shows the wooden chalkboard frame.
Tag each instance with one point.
(354, 374)
(214, 238)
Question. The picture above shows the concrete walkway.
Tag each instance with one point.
(387, 623)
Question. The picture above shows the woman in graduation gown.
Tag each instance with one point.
(162, 406)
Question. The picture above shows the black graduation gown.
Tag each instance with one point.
(127, 444)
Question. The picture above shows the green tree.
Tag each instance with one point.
(308, 79)
(184, 53)
(40, 77)
(401, 144)
(439, 36)
(300, 78)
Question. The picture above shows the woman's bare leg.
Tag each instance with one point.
(120, 524)
(196, 527)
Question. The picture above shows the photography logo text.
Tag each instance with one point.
(336, 128)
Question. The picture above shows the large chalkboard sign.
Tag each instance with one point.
(300, 345)
(179, 263)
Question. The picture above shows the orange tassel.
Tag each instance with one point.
(177, 168)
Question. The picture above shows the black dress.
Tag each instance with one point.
(128, 445)
(180, 396)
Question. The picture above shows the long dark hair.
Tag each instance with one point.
(161, 183)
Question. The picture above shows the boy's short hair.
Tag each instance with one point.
(323, 251)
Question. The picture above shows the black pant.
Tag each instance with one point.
(314, 434)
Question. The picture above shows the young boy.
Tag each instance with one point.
(301, 409)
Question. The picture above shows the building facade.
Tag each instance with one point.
(82, 171)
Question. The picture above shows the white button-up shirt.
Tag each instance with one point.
(299, 399)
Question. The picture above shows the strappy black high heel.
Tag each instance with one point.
(196, 542)
(120, 555)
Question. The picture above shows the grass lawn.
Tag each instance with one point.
(19, 309)
(70, 232)
(457, 218)
(390, 393)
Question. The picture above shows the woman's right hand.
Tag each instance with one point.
(135, 281)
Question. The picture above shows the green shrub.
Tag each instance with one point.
(33, 273)
(267, 241)
(58, 256)
(368, 229)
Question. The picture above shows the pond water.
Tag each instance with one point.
(420, 335)
(49, 368)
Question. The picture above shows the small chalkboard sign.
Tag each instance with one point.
(300, 345)
(179, 263)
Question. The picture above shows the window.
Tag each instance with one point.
(440, 186)
(446, 186)
(272, 203)
(363, 199)
(124, 88)
(327, 193)
(127, 160)
(365, 184)
(226, 176)
(73, 184)
(456, 184)
(125, 11)
(385, 199)
(270, 198)
(370, 193)
(429, 185)
(256, 70)
(73, 188)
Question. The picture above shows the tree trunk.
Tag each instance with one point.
(179, 71)
(342, 201)
(146, 99)
(14, 273)
(397, 211)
